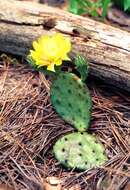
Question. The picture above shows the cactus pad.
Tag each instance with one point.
(72, 101)
(78, 150)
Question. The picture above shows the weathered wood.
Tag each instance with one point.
(107, 48)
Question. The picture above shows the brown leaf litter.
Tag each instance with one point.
(29, 127)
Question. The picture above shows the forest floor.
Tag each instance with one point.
(29, 127)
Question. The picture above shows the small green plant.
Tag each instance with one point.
(71, 99)
(89, 6)
(85, 6)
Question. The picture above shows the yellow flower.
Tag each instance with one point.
(50, 50)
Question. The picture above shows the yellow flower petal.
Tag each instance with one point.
(58, 62)
(50, 50)
(41, 63)
(43, 39)
(31, 53)
(51, 67)
(67, 45)
(35, 45)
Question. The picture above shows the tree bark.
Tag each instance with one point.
(107, 48)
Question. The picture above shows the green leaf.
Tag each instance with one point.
(87, 6)
(86, 3)
(81, 66)
(81, 11)
(94, 13)
(126, 4)
(105, 4)
(73, 8)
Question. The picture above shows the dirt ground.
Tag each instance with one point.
(29, 126)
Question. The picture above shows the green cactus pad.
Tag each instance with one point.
(80, 151)
(72, 101)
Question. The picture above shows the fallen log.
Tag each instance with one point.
(107, 48)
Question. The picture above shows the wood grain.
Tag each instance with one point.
(107, 48)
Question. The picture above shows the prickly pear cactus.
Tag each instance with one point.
(72, 101)
(78, 150)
